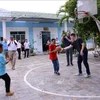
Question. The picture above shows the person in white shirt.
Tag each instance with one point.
(57, 42)
(12, 48)
(19, 49)
(27, 47)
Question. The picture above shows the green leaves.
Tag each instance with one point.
(85, 30)
(62, 19)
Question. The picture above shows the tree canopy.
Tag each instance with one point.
(85, 30)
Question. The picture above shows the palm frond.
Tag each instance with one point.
(62, 19)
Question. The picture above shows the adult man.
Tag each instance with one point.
(5, 48)
(12, 48)
(26, 46)
(78, 44)
(69, 52)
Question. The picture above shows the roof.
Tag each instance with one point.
(28, 16)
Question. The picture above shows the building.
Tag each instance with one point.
(37, 27)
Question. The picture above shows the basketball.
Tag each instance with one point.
(58, 49)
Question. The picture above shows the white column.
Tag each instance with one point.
(65, 26)
(4, 28)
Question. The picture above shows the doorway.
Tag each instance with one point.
(18, 35)
(45, 38)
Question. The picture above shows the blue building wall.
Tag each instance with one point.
(32, 25)
(0, 28)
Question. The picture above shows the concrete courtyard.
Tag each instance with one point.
(34, 79)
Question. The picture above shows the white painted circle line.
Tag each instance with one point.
(51, 93)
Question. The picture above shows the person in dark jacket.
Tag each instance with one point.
(79, 45)
(69, 52)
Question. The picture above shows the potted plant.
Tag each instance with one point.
(32, 53)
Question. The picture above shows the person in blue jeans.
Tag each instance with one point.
(79, 45)
(3, 74)
(5, 48)
(53, 56)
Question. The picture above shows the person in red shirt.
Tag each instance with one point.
(53, 56)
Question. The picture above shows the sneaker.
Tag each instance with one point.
(87, 76)
(13, 68)
(67, 65)
(79, 74)
(57, 73)
(72, 64)
(9, 93)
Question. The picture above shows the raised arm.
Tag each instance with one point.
(9, 43)
(62, 38)
(68, 39)
(15, 42)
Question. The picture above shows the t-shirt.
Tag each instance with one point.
(18, 45)
(52, 56)
(12, 45)
(5, 46)
(2, 65)
(77, 44)
(26, 44)
(67, 43)
(57, 43)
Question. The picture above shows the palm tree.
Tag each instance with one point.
(63, 10)
(67, 10)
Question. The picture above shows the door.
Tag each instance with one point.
(45, 38)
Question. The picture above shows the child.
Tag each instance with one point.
(53, 56)
(3, 74)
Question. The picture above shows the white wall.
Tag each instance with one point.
(53, 32)
(38, 38)
(90, 45)
(68, 28)
(9, 29)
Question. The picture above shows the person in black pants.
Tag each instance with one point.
(78, 44)
(19, 49)
(27, 48)
(69, 52)
(22, 46)
(3, 74)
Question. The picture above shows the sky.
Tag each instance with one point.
(44, 6)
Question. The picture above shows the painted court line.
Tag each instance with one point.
(51, 93)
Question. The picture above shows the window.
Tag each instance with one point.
(18, 35)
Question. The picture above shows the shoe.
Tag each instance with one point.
(87, 76)
(58, 73)
(79, 74)
(67, 65)
(72, 64)
(19, 58)
(13, 68)
(9, 93)
(55, 72)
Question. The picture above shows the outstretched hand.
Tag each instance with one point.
(62, 49)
